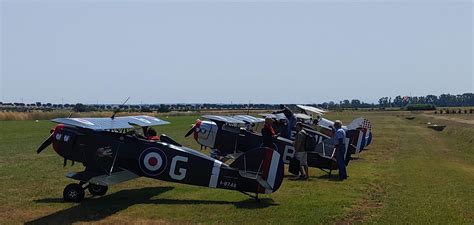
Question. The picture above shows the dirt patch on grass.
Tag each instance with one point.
(365, 209)
(9, 215)
(127, 220)
(362, 210)
(452, 119)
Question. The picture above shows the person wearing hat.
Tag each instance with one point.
(339, 142)
(268, 133)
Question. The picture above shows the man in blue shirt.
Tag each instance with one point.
(339, 142)
(290, 117)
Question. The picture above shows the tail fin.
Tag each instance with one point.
(262, 165)
(356, 140)
(365, 124)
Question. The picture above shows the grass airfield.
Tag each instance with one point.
(409, 175)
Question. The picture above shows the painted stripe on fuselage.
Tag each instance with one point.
(359, 141)
(215, 174)
(273, 169)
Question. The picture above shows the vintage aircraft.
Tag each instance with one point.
(313, 120)
(325, 125)
(113, 151)
(230, 137)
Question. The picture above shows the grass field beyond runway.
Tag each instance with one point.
(410, 175)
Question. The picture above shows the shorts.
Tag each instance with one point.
(302, 157)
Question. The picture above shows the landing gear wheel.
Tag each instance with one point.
(73, 193)
(97, 190)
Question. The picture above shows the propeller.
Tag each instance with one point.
(193, 128)
(45, 144)
(190, 131)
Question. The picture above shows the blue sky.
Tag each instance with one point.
(209, 51)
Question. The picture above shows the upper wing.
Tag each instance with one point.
(249, 119)
(225, 119)
(124, 122)
(312, 109)
(279, 116)
(302, 116)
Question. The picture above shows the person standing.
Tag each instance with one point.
(300, 151)
(339, 141)
(290, 117)
(268, 133)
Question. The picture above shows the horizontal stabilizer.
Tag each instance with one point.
(264, 165)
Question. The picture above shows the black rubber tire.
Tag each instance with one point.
(73, 193)
(97, 190)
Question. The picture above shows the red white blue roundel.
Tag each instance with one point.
(152, 161)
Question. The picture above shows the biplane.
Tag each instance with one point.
(325, 125)
(112, 151)
(230, 137)
(312, 119)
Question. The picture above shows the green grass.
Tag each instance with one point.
(410, 174)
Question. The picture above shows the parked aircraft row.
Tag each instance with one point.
(113, 150)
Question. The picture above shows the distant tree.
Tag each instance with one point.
(145, 109)
(383, 102)
(345, 104)
(163, 108)
(432, 99)
(331, 105)
(355, 103)
(79, 107)
(398, 101)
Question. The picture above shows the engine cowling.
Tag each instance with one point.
(205, 133)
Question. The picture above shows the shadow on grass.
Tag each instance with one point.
(95, 209)
(245, 204)
(333, 177)
(357, 158)
(99, 208)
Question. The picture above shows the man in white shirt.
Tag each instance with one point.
(339, 142)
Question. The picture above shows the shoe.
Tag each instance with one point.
(299, 178)
(296, 178)
(305, 178)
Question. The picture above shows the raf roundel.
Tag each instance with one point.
(152, 161)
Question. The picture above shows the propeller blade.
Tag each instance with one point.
(45, 144)
(190, 131)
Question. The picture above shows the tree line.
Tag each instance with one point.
(444, 100)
